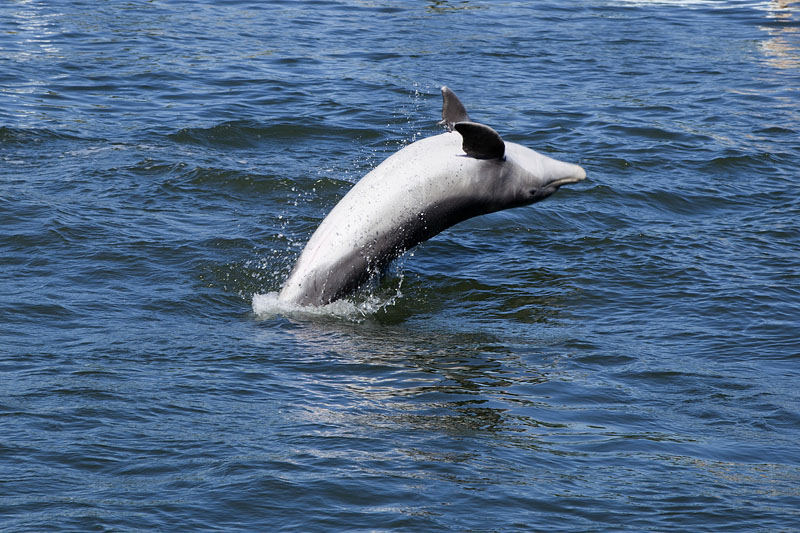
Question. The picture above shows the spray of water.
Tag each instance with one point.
(372, 298)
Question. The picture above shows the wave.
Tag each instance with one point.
(24, 136)
(249, 134)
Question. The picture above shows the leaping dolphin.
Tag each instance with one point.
(415, 194)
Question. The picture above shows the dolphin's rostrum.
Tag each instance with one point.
(416, 193)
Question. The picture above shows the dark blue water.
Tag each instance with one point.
(622, 356)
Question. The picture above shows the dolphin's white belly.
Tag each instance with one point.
(366, 227)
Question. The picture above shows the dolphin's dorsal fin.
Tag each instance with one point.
(452, 109)
(480, 142)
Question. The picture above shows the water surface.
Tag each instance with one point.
(622, 356)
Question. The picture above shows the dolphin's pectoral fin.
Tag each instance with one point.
(480, 142)
(452, 109)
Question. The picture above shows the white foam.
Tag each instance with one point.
(268, 305)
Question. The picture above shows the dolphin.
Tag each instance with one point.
(416, 193)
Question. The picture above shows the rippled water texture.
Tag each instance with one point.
(622, 356)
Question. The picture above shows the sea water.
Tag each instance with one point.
(621, 356)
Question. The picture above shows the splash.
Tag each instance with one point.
(365, 304)
(370, 299)
(268, 305)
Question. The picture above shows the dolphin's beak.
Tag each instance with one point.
(569, 174)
